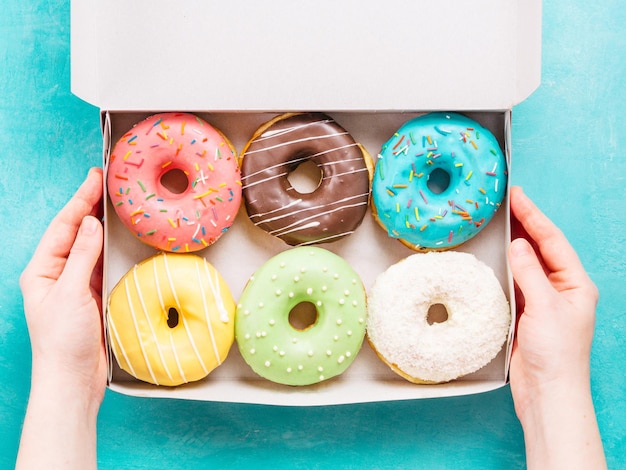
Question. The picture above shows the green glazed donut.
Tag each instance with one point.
(271, 337)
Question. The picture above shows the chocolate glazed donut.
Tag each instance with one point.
(335, 208)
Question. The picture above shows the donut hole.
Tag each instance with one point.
(303, 316)
(172, 317)
(438, 180)
(437, 313)
(305, 177)
(175, 181)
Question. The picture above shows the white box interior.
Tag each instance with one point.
(244, 248)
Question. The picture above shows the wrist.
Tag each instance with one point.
(560, 427)
(544, 399)
(59, 429)
(66, 389)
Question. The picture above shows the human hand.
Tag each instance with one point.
(549, 370)
(62, 288)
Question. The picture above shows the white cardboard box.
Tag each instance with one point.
(370, 65)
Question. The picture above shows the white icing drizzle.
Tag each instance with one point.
(217, 294)
(162, 304)
(119, 342)
(305, 139)
(265, 180)
(295, 202)
(268, 134)
(187, 330)
(303, 227)
(207, 314)
(145, 312)
(313, 208)
(360, 170)
(289, 227)
(298, 160)
(180, 369)
(134, 317)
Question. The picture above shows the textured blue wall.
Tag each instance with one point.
(568, 146)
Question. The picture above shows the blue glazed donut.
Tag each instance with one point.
(438, 181)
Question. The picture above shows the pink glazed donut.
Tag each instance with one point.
(174, 182)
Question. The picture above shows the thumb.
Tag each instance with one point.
(528, 272)
(85, 252)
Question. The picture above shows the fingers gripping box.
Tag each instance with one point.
(370, 65)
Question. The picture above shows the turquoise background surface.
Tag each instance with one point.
(568, 152)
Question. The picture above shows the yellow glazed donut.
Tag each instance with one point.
(427, 344)
(170, 319)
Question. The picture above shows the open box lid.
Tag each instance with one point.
(311, 54)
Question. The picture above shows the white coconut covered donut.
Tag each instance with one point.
(422, 341)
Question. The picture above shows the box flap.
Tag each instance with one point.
(313, 55)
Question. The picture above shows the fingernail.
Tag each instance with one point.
(520, 247)
(89, 225)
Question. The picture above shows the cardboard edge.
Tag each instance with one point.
(507, 241)
(84, 46)
(528, 48)
(105, 124)
(269, 396)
